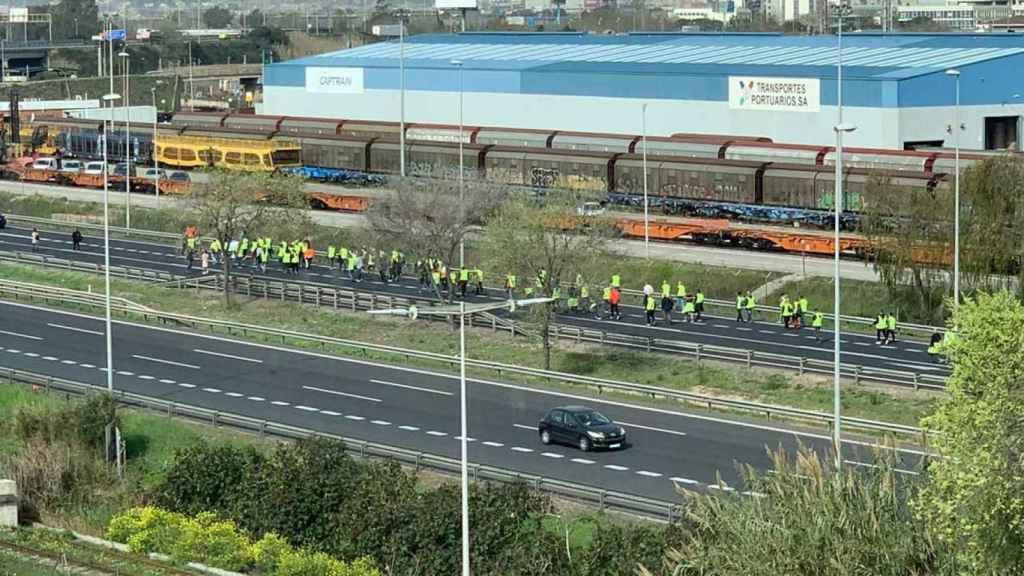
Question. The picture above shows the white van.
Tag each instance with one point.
(71, 166)
(95, 168)
(47, 163)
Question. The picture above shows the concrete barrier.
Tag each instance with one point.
(8, 504)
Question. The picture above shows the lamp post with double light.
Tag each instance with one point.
(955, 74)
(462, 171)
(643, 129)
(462, 311)
(126, 59)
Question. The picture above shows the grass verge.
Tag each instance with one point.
(773, 387)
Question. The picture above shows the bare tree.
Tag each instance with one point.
(251, 203)
(425, 217)
(544, 243)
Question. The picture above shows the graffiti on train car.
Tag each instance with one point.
(543, 177)
(851, 201)
(505, 174)
(553, 178)
(440, 172)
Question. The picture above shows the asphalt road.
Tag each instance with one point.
(767, 337)
(777, 262)
(411, 408)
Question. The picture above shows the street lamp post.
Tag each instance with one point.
(156, 159)
(643, 128)
(127, 141)
(956, 187)
(401, 93)
(110, 98)
(462, 173)
(462, 311)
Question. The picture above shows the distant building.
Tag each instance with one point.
(953, 17)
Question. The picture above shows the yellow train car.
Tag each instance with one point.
(229, 153)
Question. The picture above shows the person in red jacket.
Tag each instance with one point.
(613, 301)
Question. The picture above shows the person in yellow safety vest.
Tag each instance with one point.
(191, 242)
(435, 277)
(890, 327)
(880, 325)
(750, 307)
(556, 293)
(342, 257)
(444, 276)
(463, 280)
(688, 309)
(332, 253)
(264, 257)
(935, 346)
(584, 297)
(478, 275)
(698, 305)
(606, 295)
(243, 246)
(579, 279)
(817, 322)
(510, 284)
(650, 306)
(680, 295)
(666, 289)
(616, 281)
(573, 302)
(528, 291)
(801, 308)
(350, 264)
(785, 310)
(741, 302)
(215, 248)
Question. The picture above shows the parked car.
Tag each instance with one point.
(582, 427)
(154, 173)
(591, 209)
(121, 169)
(179, 176)
(95, 168)
(47, 163)
(71, 166)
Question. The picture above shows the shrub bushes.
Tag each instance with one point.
(210, 540)
(84, 423)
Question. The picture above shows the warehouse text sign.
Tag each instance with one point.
(775, 94)
(334, 80)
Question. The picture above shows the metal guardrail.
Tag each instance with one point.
(229, 328)
(325, 296)
(727, 307)
(603, 499)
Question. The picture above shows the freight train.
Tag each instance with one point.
(691, 174)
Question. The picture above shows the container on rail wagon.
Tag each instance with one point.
(877, 159)
(436, 133)
(307, 126)
(772, 152)
(253, 122)
(521, 137)
(369, 129)
(336, 152)
(549, 169)
(433, 159)
(591, 142)
(198, 119)
(692, 178)
(690, 148)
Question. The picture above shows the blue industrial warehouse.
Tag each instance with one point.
(895, 89)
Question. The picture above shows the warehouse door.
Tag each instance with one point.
(1001, 132)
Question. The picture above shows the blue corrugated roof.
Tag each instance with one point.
(891, 56)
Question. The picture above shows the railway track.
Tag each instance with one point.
(120, 563)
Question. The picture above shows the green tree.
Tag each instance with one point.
(974, 498)
(205, 477)
(217, 17)
(810, 520)
(544, 244)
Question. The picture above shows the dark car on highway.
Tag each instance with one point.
(3, 222)
(582, 427)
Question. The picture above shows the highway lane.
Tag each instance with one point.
(768, 337)
(411, 408)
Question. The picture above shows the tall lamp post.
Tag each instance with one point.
(840, 128)
(462, 171)
(156, 158)
(127, 140)
(462, 311)
(956, 187)
(110, 98)
(401, 92)
(643, 128)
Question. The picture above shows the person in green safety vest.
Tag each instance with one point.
(332, 253)
(510, 285)
(800, 309)
(935, 346)
(463, 280)
(478, 276)
(817, 322)
(751, 305)
(215, 250)
(688, 308)
(556, 293)
(584, 297)
(650, 306)
(741, 302)
(880, 325)
(890, 327)
(264, 257)
(666, 289)
(572, 303)
(786, 310)
(616, 281)
(606, 296)
(680, 295)
(698, 305)
(350, 264)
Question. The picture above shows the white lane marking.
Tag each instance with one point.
(683, 480)
(493, 444)
(148, 377)
(429, 390)
(16, 351)
(468, 438)
(50, 358)
(503, 385)
(380, 422)
(330, 413)
(648, 474)
(897, 470)
(723, 488)
(336, 393)
(521, 449)
(753, 494)
(582, 461)
(354, 417)
(307, 408)
(125, 373)
(256, 399)
(212, 390)
(166, 381)
(616, 467)
(89, 366)
(552, 455)
(524, 427)
(222, 355)
(652, 428)
(234, 394)
(31, 354)
(162, 361)
(74, 329)
(741, 329)
(279, 403)
(436, 433)
(68, 362)
(28, 336)
(186, 385)
(409, 428)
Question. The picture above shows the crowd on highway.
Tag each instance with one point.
(435, 275)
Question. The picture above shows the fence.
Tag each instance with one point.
(284, 337)
(603, 499)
